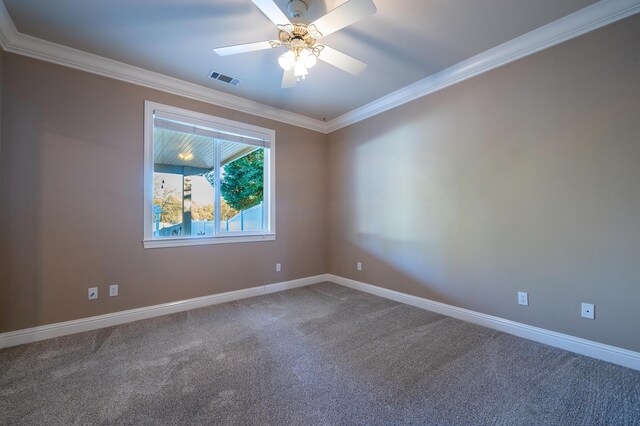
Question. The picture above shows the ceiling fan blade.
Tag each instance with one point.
(272, 11)
(344, 15)
(342, 61)
(288, 79)
(242, 48)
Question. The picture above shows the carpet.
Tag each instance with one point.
(316, 355)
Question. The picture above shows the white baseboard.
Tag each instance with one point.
(578, 345)
(49, 331)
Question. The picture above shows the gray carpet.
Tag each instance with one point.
(323, 354)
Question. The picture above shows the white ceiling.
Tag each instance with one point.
(405, 41)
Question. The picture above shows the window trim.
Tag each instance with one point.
(200, 119)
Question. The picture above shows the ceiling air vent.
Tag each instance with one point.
(224, 78)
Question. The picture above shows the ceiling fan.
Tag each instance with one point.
(301, 40)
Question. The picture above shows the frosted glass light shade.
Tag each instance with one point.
(310, 61)
(287, 60)
(299, 70)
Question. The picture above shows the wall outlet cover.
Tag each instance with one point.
(113, 290)
(523, 298)
(359, 266)
(278, 267)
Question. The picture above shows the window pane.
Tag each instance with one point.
(202, 206)
(241, 187)
(183, 196)
(167, 203)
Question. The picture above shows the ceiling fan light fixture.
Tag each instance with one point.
(309, 58)
(299, 70)
(287, 60)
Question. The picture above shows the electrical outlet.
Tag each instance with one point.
(359, 266)
(113, 290)
(93, 293)
(588, 310)
(523, 298)
(278, 267)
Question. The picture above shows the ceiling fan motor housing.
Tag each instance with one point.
(296, 8)
(299, 33)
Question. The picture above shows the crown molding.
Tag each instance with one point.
(583, 21)
(7, 27)
(15, 42)
(588, 19)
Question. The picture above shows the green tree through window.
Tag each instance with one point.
(243, 181)
(242, 186)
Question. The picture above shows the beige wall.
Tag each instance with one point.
(524, 178)
(1, 68)
(71, 216)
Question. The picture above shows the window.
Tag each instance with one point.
(207, 180)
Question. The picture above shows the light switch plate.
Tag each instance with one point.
(93, 293)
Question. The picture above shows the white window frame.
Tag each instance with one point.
(221, 125)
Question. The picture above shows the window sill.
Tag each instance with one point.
(200, 241)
